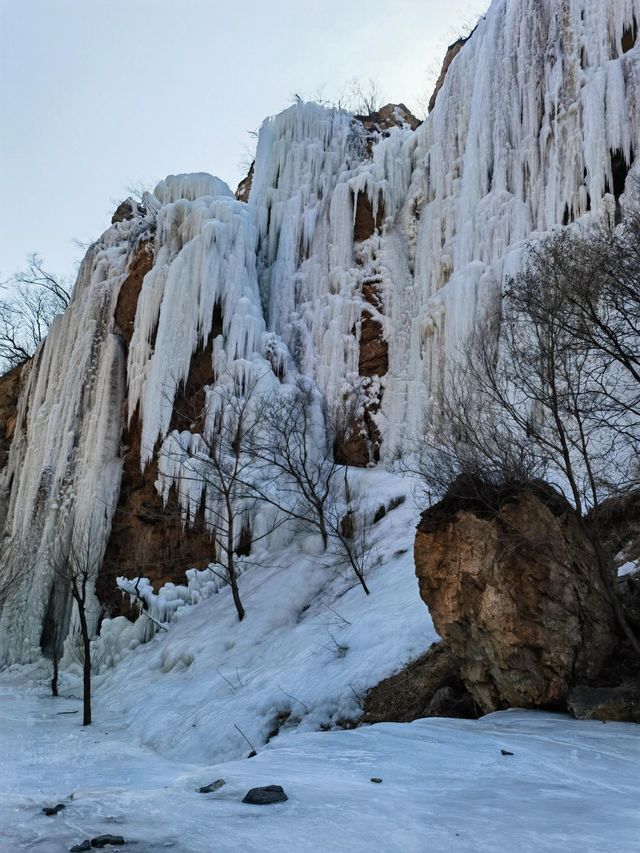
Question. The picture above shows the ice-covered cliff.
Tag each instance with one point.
(360, 260)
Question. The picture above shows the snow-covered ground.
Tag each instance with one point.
(569, 786)
(312, 643)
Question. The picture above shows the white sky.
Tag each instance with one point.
(96, 95)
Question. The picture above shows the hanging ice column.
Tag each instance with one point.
(201, 295)
(64, 469)
(316, 268)
(534, 127)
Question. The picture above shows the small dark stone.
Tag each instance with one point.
(505, 752)
(265, 796)
(80, 848)
(209, 789)
(376, 779)
(52, 810)
(107, 840)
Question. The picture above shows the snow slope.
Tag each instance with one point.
(570, 786)
(311, 645)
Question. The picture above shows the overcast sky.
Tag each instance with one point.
(97, 95)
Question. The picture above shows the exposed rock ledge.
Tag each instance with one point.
(513, 590)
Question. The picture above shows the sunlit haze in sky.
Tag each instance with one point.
(97, 96)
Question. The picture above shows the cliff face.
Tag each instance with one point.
(10, 388)
(360, 259)
(513, 588)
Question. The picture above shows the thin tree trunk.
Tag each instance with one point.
(231, 568)
(54, 680)
(354, 566)
(233, 581)
(86, 684)
(323, 530)
(363, 583)
(86, 668)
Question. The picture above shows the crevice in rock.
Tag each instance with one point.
(366, 224)
(629, 36)
(125, 313)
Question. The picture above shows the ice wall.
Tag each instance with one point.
(62, 479)
(535, 126)
(536, 121)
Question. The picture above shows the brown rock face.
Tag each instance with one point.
(430, 686)
(365, 224)
(148, 538)
(10, 387)
(374, 349)
(618, 522)
(452, 51)
(512, 587)
(620, 704)
(244, 187)
(125, 313)
(389, 116)
(362, 445)
(127, 209)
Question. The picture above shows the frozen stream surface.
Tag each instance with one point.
(569, 786)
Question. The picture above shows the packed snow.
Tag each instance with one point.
(187, 707)
(446, 786)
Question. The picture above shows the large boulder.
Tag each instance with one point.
(513, 588)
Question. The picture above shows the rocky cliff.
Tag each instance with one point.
(358, 258)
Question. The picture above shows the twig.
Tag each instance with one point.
(155, 621)
(253, 749)
(355, 693)
(342, 619)
(306, 707)
(231, 686)
(218, 575)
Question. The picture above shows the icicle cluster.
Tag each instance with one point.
(536, 126)
(62, 480)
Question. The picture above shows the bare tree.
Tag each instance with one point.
(55, 623)
(33, 298)
(138, 190)
(248, 453)
(76, 564)
(595, 274)
(305, 481)
(366, 97)
(213, 464)
(547, 386)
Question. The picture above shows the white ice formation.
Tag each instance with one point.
(537, 125)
